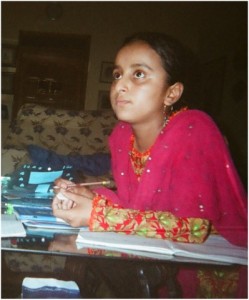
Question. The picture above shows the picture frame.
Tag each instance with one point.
(9, 55)
(106, 72)
(6, 107)
(104, 100)
(212, 85)
(8, 81)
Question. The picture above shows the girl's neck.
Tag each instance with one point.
(145, 136)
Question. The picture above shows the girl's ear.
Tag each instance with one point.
(173, 93)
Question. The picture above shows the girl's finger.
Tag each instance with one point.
(62, 183)
(77, 198)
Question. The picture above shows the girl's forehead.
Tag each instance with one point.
(138, 52)
(135, 48)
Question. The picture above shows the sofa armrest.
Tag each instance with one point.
(13, 159)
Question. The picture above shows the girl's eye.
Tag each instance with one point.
(139, 74)
(116, 75)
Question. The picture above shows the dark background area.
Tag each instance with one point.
(215, 31)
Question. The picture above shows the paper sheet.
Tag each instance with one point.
(11, 227)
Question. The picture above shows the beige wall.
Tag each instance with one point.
(212, 29)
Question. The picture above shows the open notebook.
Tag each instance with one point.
(214, 249)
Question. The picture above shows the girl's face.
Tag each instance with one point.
(140, 84)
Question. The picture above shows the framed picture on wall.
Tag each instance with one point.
(6, 107)
(104, 100)
(8, 79)
(8, 55)
(106, 72)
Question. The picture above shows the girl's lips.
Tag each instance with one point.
(121, 102)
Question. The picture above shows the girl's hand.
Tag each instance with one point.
(76, 210)
(61, 200)
(63, 184)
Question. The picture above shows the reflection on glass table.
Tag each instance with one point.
(103, 273)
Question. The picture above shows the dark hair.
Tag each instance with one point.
(178, 61)
(168, 49)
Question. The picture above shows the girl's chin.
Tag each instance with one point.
(122, 115)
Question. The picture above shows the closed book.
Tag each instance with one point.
(37, 214)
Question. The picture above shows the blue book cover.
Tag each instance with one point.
(36, 214)
(27, 201)
(36, 217)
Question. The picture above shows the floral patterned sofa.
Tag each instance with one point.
(65, 132)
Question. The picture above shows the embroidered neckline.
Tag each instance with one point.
(139, 159)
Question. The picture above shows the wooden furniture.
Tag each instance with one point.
(51, 69)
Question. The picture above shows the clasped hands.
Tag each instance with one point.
(77, 206)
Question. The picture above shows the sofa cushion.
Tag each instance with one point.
(93, 164)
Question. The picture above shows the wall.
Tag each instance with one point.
(212, 29)
(224, 35)
(107, 23)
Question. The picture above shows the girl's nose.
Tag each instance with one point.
(121, 85)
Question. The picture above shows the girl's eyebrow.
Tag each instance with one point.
(133, 66)
(141, 65)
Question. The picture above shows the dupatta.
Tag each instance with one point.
(189, 173)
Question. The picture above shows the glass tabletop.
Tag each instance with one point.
(103, 263)
(64, 243)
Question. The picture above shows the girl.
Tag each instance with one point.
(174, 175)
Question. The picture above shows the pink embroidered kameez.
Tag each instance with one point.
(189, 173)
